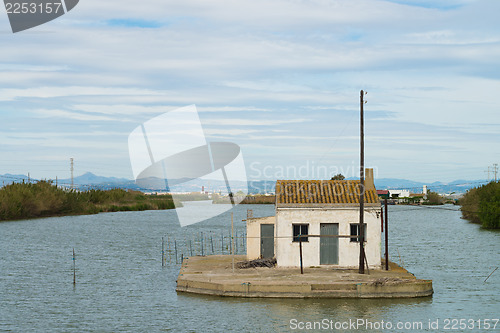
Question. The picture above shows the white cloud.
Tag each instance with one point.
(58, 91)
(227, 132)
(71, 115)
(252, 122)
(129, 109)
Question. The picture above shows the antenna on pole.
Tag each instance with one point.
(72, 169)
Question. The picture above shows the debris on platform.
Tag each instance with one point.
(267, 262)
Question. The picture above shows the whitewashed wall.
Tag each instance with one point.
(287, 252)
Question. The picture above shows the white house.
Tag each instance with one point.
(315, 208)
(399, 193)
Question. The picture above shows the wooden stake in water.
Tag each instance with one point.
(236, 241)
(222, 242)
(491, 274)
(212, 243)
(232, 238)
(168, 248)
(74, 267)
(202, 251)
(190, 248)
(175, 246)
(162, 252)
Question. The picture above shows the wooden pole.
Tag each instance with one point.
(300, 247)
(386, 237)
(232, 238)
(212, 242)
(74, 267)
(361, 189)
(382, 219)
(491, 274)
(202, 250)
(168, 248)
(366, 262)
(175, 247)
(236, 242)
(162, 252)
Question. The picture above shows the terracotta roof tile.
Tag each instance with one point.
(322, 192)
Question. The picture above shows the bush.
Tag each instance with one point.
(482, 205)
(42, 199)
(434, 199)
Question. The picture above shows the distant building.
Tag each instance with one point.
(314, 208)
(383, 194)
(395, 194)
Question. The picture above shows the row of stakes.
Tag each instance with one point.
(202, 244)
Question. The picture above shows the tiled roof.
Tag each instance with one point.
(322, 192)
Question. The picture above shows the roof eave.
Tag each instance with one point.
(323, 205)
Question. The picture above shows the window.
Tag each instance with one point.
(355, 231)
(300, 229)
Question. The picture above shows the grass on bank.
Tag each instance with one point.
(43, 199)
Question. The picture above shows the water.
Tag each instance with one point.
(122, 287)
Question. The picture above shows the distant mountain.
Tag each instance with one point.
(90, 180)
(394, 183)
(9, 179)
(457, 186)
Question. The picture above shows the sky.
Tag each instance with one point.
(280, 78)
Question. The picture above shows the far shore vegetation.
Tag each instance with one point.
(433, 198)
(250, 199)
(482, 205)
(43, 199)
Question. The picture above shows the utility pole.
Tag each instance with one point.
(488, 174)
(495, 171)
(362, 187)
(72, 169)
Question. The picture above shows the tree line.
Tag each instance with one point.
(482, 205)
(43, 199)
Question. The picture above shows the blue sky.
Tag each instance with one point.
(280, 78)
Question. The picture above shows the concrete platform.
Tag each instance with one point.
(213, 275)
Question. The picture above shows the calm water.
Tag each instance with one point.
(122, 286)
